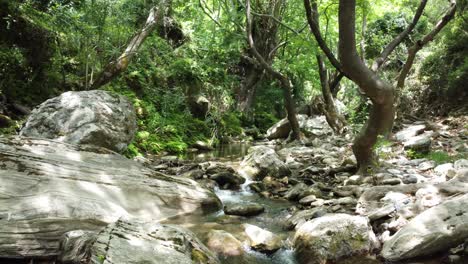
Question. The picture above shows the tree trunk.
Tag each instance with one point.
(158, 16)
(283, 80)
(334, 119)
(381, 93)
(247, 91)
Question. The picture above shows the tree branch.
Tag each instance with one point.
(398, 39)
(418, 45)
(318, 36)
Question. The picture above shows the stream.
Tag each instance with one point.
(275, 212)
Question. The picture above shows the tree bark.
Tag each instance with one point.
(381, 93)
(264, 32)
(334, 119)
(282, 79)
(117, 66)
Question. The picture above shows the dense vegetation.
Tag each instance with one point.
(51, 46)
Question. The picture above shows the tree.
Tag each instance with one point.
(159, 16)
(336, 121)
(379, 91)
(282, 79)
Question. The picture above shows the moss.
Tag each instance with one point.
(199, 256)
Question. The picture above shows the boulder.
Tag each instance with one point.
(135, 242)
(262, 240)
(409, 132)
(89, 117)
(420, 144)
(263, 161)
(311, 126)
(302, 216)
(332, 238)
(49, 188)
(224, 243)
(228, 180)
(202, 145)
(437, 229)
(250, 209)
(199, 106)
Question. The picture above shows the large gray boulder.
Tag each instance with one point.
(311, 126)
(263, 161)
(436, 229)
(49, 188)
(332, 238)
(89, 117)
(135, 242)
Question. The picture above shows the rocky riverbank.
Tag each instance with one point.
(298, 202)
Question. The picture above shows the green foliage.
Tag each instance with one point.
(412, 154)
(440, 157)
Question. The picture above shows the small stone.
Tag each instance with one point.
(308, 199)
(409, 179)
(391, 181)
(427, 165)
(251, 209)
(261, 239)
(354, 180)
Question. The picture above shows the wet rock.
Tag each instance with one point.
(196, 174)
(261, 239)
(263, 161)
(300, 217)
(420, 144)
(135, 242)
(437, 229)
(54, 187)
(201, 145)
(228, 180)
(94, 117)
(321, 240)
(250, 209)
(224, 243)
(297, 192)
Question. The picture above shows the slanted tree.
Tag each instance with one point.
(283, 80)
(380, 92)
(159, 18)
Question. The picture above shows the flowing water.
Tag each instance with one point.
(275, 213)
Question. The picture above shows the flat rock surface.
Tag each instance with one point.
(49, 188)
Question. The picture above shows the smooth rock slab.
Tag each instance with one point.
(88, 117)
(437, 229)
(49, 188)
(132, 242)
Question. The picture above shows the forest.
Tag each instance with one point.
(233, 131)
